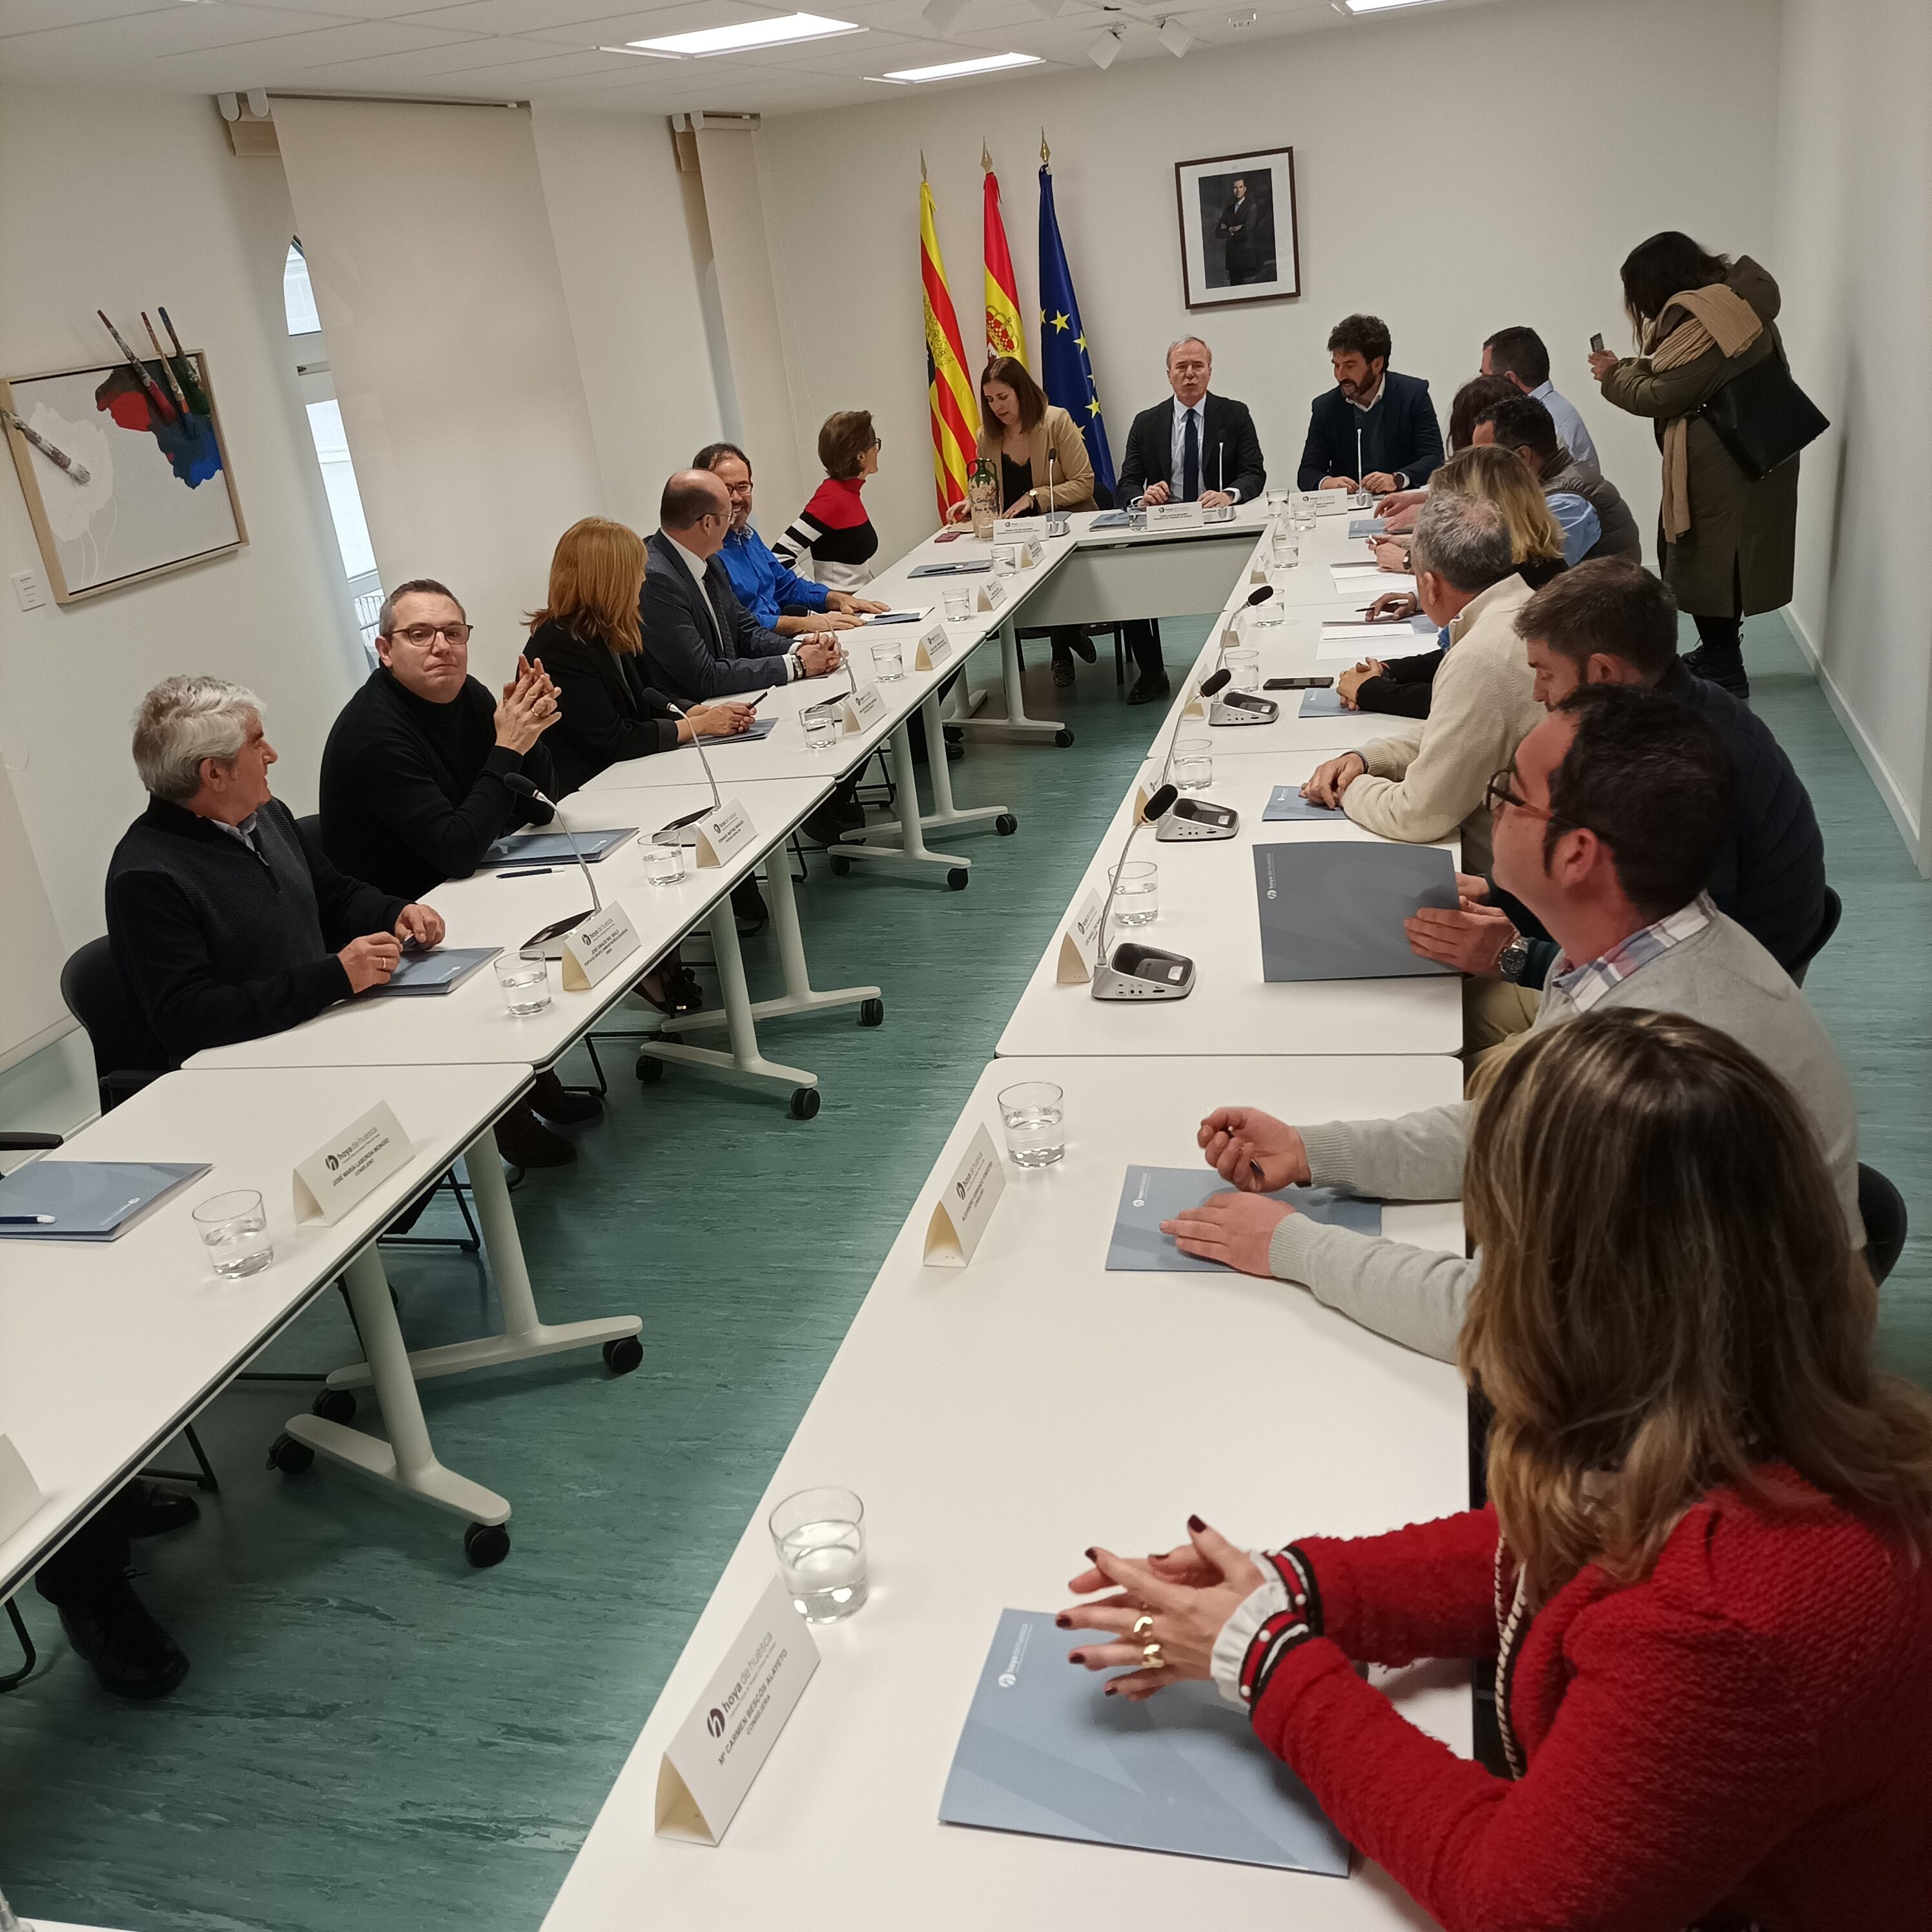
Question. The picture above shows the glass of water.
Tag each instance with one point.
(819, 1535)
(959, 606)
(1136, 893)
(1193, 768)
(1005, 560)
(235, 1231)
(888, 660)
(822, 729)
(524, 980)
(664, 859)
(1033, 1114)
(1284, 546)
(1243, 666)
(1302, 514)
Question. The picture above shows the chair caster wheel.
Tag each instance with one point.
(953, 734)
(623, 1354)
(1063, 737)
(289, 1456)
(955, 879)
(839, 863)
(955, 751)
(335, 1405)
(872, 1012)
(650, 1069)
(804, 1103)
(486, 1544)
(1005, 825)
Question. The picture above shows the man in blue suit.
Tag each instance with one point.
(1386, 418)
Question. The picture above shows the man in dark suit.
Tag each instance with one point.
(1197, 448)
(1246, 229)
(700, 642)
(1388, 419)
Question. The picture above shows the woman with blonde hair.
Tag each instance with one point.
(1402, 685)
(587, 637)
(1702, 1577)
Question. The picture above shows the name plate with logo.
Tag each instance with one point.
(1033, 554)
(865, 705)
(1016, 529)
(1080, 943)
(1174, 516)
(20, 1495)
(966, 1205)
(935, 648)
(992, 595)
(604, 940)
(724, 834)
(361, 1158)
(722, 1746)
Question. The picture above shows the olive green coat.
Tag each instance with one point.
(1735, 559)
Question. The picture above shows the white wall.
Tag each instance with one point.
(1565, 134)
(1854, 215)
(151, 207)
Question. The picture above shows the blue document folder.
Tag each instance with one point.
(1150, 1195)
(1112, 520)
(1286, 801)
(87, 1200)
(759, 727)
(552, 848)
(1322, 704)
(895, 616)
(433, 972)
(1045, 1752)
(1334, 908)
(1367, 526)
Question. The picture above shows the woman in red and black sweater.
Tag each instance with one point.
(1703, 1579)
(832, 531)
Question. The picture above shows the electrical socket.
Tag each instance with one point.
(29, 588)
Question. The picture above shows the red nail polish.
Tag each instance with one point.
(1091, 1558)
(1195, 1523)
(1109, 1692)
(1064, 1623)
(1076, 1656)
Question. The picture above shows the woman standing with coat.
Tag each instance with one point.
(1726, 543)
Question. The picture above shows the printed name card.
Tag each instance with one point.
(599, 944)
(864, 704)
(724, 833)
(341, 1172)
(1014, 529)
(1174, 516)
(1080, 943)
(966, 1205)
(992, 595)
(935, 648)
(1258, 572)
(1033, 554)
(19, 1494)
(722, 1746)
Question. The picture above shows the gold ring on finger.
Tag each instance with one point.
(1154, 1656)
(1142, 1624)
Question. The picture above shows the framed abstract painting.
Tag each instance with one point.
(1238, 240)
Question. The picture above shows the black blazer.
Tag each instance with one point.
(606, 711)
(681, 651)
(1400, 435)
(1228, 431)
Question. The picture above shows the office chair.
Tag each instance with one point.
(127, 1055)
(1881, 1208)
(1103, 500)
(1834, 910)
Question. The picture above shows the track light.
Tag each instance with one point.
(1048, 7)
(1106, 49)
(1175, 37)
(942, 16)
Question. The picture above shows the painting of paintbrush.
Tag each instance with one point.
(161, 355)
(162, 406)
(58, 457)
(183, 366)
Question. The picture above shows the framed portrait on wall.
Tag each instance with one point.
(1238, 242)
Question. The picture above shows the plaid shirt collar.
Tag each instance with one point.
(1584, 986)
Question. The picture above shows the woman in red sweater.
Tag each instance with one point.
(1704, 1577)
(832, 533)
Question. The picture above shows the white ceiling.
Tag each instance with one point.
(547, 50)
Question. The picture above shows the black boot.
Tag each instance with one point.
(561, 1105)
(112, 1630)
(145, 1509)
(523, 1141)
(1719, 666)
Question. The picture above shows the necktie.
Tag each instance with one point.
(718, 623)
(1190, 460)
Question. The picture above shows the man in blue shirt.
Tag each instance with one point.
(1518, 356)
(777, 597)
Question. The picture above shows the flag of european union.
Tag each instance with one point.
(1066, 369)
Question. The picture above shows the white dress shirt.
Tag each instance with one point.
(1209, 480)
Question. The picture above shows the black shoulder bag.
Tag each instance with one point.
(1763, 417)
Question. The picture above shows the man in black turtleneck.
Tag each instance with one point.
(413, 790)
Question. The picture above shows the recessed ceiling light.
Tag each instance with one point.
(637, 53)
(953, 70)
(1377, 6)
(747, 35)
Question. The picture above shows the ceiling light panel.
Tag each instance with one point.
(1379, 6)
(957, 69)
(786, 32)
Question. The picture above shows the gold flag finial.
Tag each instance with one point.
(1046, 152)
(985, 159)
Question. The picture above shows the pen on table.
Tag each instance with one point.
(27, 1220)
(533, 872)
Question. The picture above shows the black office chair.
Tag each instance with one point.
(1881, 1208)
(127, 1055)
(1103, 500)
(1834, 910)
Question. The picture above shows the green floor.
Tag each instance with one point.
(373, 1735)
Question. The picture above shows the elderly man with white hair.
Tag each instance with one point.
(226, 923)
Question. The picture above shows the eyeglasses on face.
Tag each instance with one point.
(421, 636)
(1501, 790)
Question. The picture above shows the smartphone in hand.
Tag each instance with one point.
(1596, 344)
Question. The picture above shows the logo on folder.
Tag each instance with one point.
(715, 1723)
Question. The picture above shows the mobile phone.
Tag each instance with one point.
(952, 536)
(1298, 684)
(1596, 344)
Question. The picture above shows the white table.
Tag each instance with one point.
(1208, 912)
(107, 1350)
(995, 1421)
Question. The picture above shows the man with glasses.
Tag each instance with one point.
(1607, 823)
(413, 790)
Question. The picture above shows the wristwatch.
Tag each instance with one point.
(1512, 958)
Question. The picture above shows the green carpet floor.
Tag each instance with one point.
(373, 1736)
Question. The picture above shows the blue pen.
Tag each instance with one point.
(534, 872)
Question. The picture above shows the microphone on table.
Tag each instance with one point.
(1193, 818)
(1261, 593)
(1132, 971)
(520, 786)
(1246, 707)
(1220, 513)
(1057, 525)
(698, 744)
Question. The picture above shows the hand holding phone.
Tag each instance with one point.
(1597, 344)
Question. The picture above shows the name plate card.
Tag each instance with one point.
(1033, 554)
(1016, 529)
(864, 704)
(1174, 516)
(992, 595)
(724, 833)
(20, 1495)
(340, 1173)
(722, 1746)
(966, 1205)
(935, 648)
(604, 940)
(1080, 943)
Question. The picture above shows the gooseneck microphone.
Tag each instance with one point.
(1193, 819)
(698, 744)
(520, 786)
(1132, 971)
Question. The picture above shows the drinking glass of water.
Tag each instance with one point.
(819, 1535)
(959, 606)
(524, 980)
(1193, 760)
(888, 660)
(1136, 893)
(1302, 514)
(1244, 668)
(1033, 1114)
(663, 859)
(822, 728)
(235, 1231)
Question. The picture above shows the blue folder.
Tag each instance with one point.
(87, 1200)
(759, 727)
(438, 970)
(1045, 1752)
(1150, 1195)
(966, 568)
(1286, 801)
(552, 848)
(1112, 520)
(1322, 704)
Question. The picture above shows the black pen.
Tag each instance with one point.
(534, 872)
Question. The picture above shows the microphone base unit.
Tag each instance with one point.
(1194, 818)
(1242, 707)
(550, 940)
(1218, 513)
(1059, 524)
(1138, 972)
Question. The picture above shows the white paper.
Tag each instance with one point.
(597, 946)
(349, 1165)
(724, 833)
(966, 1205)
(1080, 943)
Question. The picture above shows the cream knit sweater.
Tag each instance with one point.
(1425, 782)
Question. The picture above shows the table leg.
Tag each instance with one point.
(744, 1064)
(1016, 725)
(405, 1462)
(525, 1334)
(945, 815)
(904, 844)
